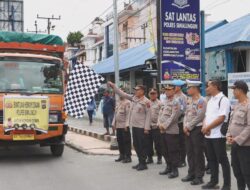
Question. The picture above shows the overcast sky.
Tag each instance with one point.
(77, 14)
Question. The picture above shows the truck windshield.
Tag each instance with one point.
(30, 76)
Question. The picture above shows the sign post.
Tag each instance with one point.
(180, 50)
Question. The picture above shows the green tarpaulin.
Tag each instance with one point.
(30, 38)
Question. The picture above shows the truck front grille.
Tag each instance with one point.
(1, 116)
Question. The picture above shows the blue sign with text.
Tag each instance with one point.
(180, 40)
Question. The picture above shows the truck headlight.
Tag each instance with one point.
(53, 118)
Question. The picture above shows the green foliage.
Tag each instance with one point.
(74, 38)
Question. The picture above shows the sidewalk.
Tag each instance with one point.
(96, 130)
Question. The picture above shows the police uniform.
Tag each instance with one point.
(194, 116)
(154, 136)
(139, 119)
(168, 122)
(122, 131)
(182, 98)
(239, 130)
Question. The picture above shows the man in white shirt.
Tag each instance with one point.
(218, 108)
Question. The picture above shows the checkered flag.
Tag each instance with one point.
(82, 86)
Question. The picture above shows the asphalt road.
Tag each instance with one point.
(33, 168)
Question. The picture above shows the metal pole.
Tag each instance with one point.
(203, 54)
(115, 48)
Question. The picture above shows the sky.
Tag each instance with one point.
(78, 14)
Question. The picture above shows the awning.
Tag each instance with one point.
(130, 58)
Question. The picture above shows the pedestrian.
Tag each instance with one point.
(154, 136)
(182, 98)
(194, 116)
(139, 119)
(163, 96)
(168, 124)
(91, 109)
(108, 111)
(239, 135)
(217, 112)
(122, 130)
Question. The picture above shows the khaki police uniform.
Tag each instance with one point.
(168, 122)
(122, 131)
(182, 98)
(154, 136)
(194, 116)
(239, 130)
(139, 119)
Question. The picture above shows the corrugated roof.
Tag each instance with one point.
(130, 58)
(230, 33)
(209, 26)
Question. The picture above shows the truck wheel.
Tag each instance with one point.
(57, 150)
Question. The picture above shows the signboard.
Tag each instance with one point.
(232, 77)
(216, 68)
(26, 113)
(180, 40)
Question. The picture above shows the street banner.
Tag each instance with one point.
(26, 113)
(180, 40)
(232, 77)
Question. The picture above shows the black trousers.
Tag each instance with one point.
(216, 150)
(163, 147)
(240, 156)
(90, 114)
(139, 142)
(172, 152)
(182, 143)
(154, 141)
(195, 153)
(124, 142)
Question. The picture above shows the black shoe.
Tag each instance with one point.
(210, 185)
(159, 161)
(127, 160)
(197, 181)
(135, 167)
(182, 165)
(142, 167)
(121, 158)
(166, 171)
(226, 187)
(188, 178)
(173, 174)
(150, 160)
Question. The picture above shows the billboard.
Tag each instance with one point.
(180, 40)
(26, 113)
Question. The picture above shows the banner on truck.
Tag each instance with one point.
(180, 40)
(26, 113)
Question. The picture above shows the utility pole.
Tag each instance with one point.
(36, 29)
(116, 48)
(49, 26)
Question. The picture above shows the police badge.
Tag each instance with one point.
(181, 4)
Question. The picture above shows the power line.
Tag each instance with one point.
(49, 26)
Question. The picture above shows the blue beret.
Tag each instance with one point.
(178, 82)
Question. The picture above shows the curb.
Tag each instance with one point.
(84, 151)
(106, 138)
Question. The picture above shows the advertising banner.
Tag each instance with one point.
(180, 40)
(26, 113)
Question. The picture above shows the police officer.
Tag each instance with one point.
(182, 98)
(154, 136)
(194, 116)
(122, 131)
(140, 119)
(239, 135)
(168, 124)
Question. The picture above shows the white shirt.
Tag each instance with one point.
(163, 98)
(214, 111)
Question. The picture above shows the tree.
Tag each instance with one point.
(74, 38)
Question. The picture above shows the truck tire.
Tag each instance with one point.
(57, 150)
